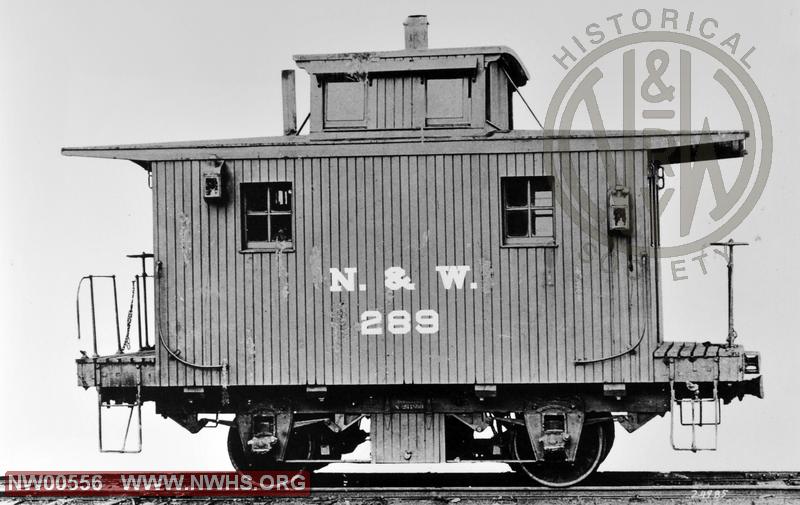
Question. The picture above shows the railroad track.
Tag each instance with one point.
(640, 488)
(514, 480)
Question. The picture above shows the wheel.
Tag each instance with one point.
(561, 473)
(300, 447)
(608, 438)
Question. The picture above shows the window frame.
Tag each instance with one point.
(344, 124)
(465, 121)
(530, 209)
(268, 246)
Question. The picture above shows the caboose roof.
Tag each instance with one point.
(413, 60)
(675, 147)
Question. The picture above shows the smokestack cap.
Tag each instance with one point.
(416, 32)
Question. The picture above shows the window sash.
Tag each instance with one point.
(247, 195)
(453, 121)
(329, 110)
(532, 213)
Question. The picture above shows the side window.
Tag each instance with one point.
(528, 211)
(448, 101)
(344, 104)
(266, 215)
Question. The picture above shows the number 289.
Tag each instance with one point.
(398, 322)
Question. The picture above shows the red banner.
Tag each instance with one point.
(267, 483)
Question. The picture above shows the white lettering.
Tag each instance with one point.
(427, 322)
(371, 322)
(451, 274)
(396, 278)
(398, 322)
(339, 280)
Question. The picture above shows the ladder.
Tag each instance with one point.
(135, 407)
(697, 413)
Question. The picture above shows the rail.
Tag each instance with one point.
(641, 488)
(91, 279)
(140, 288)
(139, 305)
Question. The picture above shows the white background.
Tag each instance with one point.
(100, 72)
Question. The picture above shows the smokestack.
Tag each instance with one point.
(416, 32)
(289, 102)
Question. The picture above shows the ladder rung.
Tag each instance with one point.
(696, 419)
(134, 407)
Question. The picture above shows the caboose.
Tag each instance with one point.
(415, 272)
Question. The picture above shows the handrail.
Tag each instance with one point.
(141, 290)
(176, 354)
(617, 355)
(140, 300)
(94, 317)
(177, 357)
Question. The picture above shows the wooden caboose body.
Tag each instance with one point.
(522, 314)
(414, 258)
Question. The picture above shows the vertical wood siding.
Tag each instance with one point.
(272, 318)
(391, 102)
(408, 438)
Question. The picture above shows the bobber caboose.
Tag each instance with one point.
(416, 273)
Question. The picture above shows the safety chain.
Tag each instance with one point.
(127, 343)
